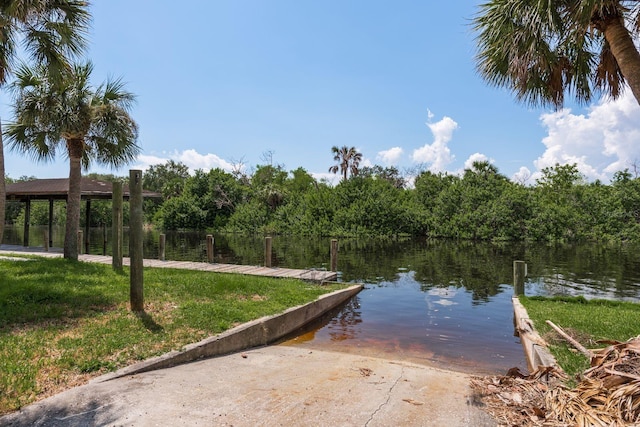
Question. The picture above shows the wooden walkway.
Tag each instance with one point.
(310, 275)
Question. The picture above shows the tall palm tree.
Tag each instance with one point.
(348, 160)
(89, 124)
(50, 31)
(543, 49)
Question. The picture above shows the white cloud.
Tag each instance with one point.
(603, 141)
(523, 176)
(390, 156)
(366, 163)
(191, 158)
(328, 177)
(476, 157)
(437, 154)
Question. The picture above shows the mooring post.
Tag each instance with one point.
(519, 268)
(334, 255)
(27, 222)
(162, 240)
(80, 240)
(267, 251)
(116, 238)
(104, 238)
(87, 228)
(50, 222)
(46, 240)
(209, 248)
(136, 293)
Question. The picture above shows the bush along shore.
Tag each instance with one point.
(479, 204)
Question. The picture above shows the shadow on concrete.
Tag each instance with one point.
(91, 412)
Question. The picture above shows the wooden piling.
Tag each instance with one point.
(116, 238)
(136, 292)
(519, 268)
(267, 251)
(80, 241)
(27, 222)
(104, 239)
(209, 248)
(334, 254)
(162, 241)
(87, 228)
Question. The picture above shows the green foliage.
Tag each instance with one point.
(180, 212)
(481, 204)
(168, 178)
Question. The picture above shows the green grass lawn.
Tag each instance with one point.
(63, 322)
(586, 321)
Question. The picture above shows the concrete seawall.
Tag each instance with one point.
(259, 332)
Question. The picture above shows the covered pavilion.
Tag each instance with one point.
(58, 189)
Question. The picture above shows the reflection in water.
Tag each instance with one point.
(344, 325)
(425, 300)
(403, 320)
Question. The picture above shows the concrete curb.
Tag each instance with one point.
(535, 348)
(256, 333)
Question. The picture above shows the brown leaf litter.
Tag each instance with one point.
(607, 395)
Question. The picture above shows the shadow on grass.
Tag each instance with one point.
(45, 290)
(148, 322)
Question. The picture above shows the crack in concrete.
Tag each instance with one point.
(388, 397)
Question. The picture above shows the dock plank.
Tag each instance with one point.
(250, 270)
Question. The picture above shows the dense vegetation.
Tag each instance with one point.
(480, 204)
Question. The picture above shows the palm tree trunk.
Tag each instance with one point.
(3, 188)
(625, 52)
(74, 147)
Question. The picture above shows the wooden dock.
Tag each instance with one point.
(309, 275)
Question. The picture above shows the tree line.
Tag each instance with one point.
(480, 204)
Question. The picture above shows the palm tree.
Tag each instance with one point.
(348, 160)
(50, 31)
(89, 124)
(544, 49)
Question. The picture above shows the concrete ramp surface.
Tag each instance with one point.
(268, 386)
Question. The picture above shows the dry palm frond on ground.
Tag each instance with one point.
(607, 395)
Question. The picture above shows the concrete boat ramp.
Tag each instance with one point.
(277, 385)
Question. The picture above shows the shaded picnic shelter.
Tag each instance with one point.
(58, 189)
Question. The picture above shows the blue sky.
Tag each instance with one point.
(224, 82)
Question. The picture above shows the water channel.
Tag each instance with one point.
(439, 302)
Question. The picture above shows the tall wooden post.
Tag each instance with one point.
(27, 221)
(162, 241)
(135, 241)
(209, 248)
(116, 238)
(267, 251)
(87, 226)
(519, 268)
(50, 222)
(104, 238)
(334, 254)
(80, 245)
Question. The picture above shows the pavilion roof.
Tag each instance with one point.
(58, 188)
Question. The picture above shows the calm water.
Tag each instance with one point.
(443, 302)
